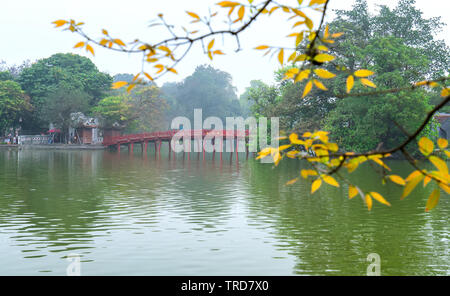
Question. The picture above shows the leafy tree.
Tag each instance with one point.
(6, 75)
(142, 110)
(123, 77)
(13, 104)
(70, 71)
(114, 111)
(60, 104)
(207, 88)
(148, 109)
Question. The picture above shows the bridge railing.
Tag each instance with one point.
(167, 135)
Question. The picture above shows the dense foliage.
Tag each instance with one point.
(13, 103)
(207, 88)
(380, 43)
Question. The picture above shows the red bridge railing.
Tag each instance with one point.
(168, 135)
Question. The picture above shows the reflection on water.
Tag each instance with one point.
(134, 214)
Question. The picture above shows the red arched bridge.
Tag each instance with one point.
(166, 136)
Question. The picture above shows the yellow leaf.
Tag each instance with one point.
(59, 23)
(160, 67)
(218, 51)
(164, 48)
(442, 143)
(172, 70)
(350, 82)
(330, 180)
(378, 197)
(294, 139)
(281, 56)
(277, 158)
(302, 75)
(319, 84)
(426, 180)
(292, 153)
(119, 42)
(241, 12)
(316, 185)
(299, 39)
(397, 179)
(412, 176)
(261, 47)
(439, 164)
(426, 146)
(307, 89)
(326, 33)
(228, 4)
(444, 187)
(210, 44)
(322, 73)
(309, 23)
(352, 191)
(130, 87)
(433, 200)
(445, 92)
(148, 76)
(337, 35)
(90, 49)
(411, 185)
(284, 147)
(367, 82)
(306, 173)
(379, 162)
(104, 32)
(363, 73)
(323, 57)
(79, 44)
(369, 201)
(119, 84)
(273, 9)
(103, 42)
(193, 14)
(291, 181)
(292, 56)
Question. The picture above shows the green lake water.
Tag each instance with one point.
(135, 215)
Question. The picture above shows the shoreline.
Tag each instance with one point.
(54, 146)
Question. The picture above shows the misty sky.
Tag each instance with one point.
(27, 33)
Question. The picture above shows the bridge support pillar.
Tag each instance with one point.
(221, 147)
(170, 149)
(130, 147)
(237, 145)
(213, 142)
(159, 148)
(203, 148)
(246, 149)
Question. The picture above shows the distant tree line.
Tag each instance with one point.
(35, 95)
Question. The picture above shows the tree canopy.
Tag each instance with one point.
(207, 88)
(13, 103)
